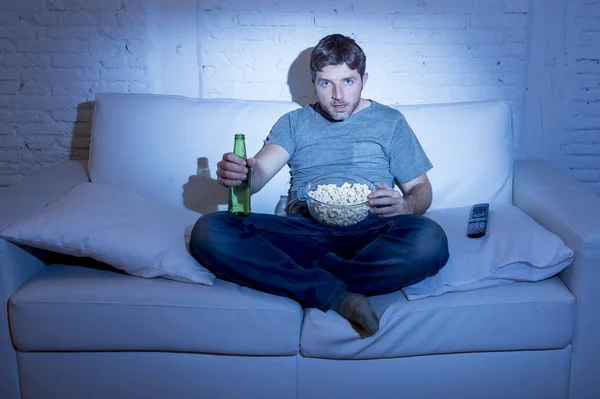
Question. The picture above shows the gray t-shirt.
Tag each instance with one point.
(376, 143)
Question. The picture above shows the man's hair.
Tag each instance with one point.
(337, 49)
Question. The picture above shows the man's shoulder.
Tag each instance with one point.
(299, 113)
(386, 110)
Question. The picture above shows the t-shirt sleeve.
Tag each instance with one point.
(281, 134)
(407, 158)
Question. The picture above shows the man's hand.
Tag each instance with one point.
(232, 170)
(388, 202)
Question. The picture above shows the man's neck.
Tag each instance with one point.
(362, 104)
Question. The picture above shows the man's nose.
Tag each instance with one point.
(337, 93)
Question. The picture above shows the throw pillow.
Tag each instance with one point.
(117, 227)
(515, 248)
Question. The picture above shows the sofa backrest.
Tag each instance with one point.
(166, 148)
(152, 144)
(470, 145)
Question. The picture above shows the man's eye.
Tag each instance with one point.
(348, 81)
(324, 84)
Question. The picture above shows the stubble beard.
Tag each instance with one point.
(350, 108)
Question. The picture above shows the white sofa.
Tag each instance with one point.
(74, 328)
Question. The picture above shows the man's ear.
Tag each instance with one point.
(364, 79)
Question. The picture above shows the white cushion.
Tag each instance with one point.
(470, 146)
(515, 248)
(117, 227)
(512, 317)
(70, 308)
(151, 144)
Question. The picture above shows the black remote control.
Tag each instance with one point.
(478, 220)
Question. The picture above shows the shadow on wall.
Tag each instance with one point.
(202, 193)
(82, 130)
(300, 81)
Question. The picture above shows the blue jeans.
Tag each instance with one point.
(300, 258)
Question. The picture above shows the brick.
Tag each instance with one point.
(272, 19)
(44, 102)
(588, 52)
(108, 87)
(114, 61)
(49, 128)
(583, 161)
(52, 46)
(9, 156)
(72, 18)
(74, 60)
(591, 9)
(140, 87)
(36, 88)
(587, 23)
(138, 5)
(90, 5)
(37, 142)
(300, 35)
(51, 155)
(450, 7)
(52, 74)
(129, 32)
(579, 148)
(27, 5)
(36, 60)
(72, 32)
(9, 86)
(8, 18)
(429, 22)
(515, 6)
(70, 88)
(584, 122)
(477, 93)
(506, 50)
(11, 60)
(122, 74)
(11, 141)
(12, 115)
(389, 7)
(7, 46)
(20, 31)
(352, 22)
(503, 21)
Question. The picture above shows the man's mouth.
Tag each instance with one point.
(338, 107)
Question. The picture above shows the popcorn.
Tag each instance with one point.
(353, 197)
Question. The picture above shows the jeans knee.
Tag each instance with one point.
(205, 231)
(432, 246)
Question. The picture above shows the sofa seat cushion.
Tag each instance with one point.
(517, 316)
(72, 308)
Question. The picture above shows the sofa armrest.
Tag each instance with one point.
(572, 211)
(18, 264)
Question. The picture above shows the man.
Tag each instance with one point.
(294, 255)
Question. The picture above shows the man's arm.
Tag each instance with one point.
(232, 170)
(416, 198)
(417, 194)
(268, 161)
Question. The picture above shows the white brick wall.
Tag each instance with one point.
(55, 55)
(580, 144)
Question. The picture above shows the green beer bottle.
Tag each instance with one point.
(239, 196)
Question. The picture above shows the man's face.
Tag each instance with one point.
(338, 90)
